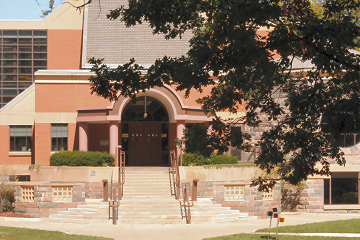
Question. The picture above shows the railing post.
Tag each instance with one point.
(106, 190)
(114, 206)
(194, 190)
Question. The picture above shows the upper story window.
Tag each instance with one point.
(59, 137)
(22, 53)
(341, 122)
(20, 138)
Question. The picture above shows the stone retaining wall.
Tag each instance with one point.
(42, 204)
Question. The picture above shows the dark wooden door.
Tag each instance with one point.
(144, 144)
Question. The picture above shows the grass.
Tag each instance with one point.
(245, 236)
(341, 226)
(12, 233)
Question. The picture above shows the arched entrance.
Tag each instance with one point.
(144, 133)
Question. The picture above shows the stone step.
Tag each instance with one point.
(152, 221)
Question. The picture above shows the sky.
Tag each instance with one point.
(24, 9)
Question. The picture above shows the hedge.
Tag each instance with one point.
(79, 158)
(196, 159)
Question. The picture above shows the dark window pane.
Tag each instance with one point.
(25, 55)
(9, 40)
(344, 188)
(9, 85)
(160, 114)
(24, 70)
(10, 63)
(40, 55)
(25, 78)
(40, 33)
(129, 115)
(40, 49)
(24, 84)
(326, 191)
(9, 77)
(25, 63)
(25, 34)
(24, 48)
(9, 55)
(10, 33)
(9, 70)
(10, 48)
(40, 63)
(40, 40)
(7, 99)
(25, 40)
(9, 92)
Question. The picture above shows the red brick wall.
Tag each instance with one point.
(42, 143)
(98, 132)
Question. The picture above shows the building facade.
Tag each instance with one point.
(47, 105)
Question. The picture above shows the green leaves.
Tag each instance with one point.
(286, 97)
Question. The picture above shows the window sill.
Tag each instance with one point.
(19, 153)
(342, 207)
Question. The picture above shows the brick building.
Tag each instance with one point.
(47, 106)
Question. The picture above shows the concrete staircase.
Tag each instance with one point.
(205, 211)
(147, 199)
(91, 210)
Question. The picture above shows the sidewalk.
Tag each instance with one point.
(169, 231)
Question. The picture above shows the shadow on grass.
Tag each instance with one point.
(266, 237)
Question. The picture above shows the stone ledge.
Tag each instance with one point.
(342, 207)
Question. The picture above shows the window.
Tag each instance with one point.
(342, 188)
(341, 123)
(236, 139)
(27, 193)
(234, 193)
(20, 138)
(59, 135)
(62, 194)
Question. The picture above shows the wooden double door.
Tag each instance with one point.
(145, 144)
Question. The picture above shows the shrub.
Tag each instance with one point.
(6, 198)
(222, 159)
(196, 159)
(79, 158)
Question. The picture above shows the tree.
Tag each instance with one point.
(51, 8)
(225, 44)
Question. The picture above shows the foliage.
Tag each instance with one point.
(197, 139)
(26, 233)
(226, 45)
(79, 158)
(51, 8)
(196, 159)
(340, 226)
(6, 198)
(6, 190)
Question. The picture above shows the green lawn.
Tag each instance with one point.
(29, 234)
(341, 226)
(272, 237)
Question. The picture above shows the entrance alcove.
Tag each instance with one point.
(145, 133)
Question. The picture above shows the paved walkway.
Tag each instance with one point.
(169, 231)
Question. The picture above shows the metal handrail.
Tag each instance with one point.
(117, 189)
(187, 201)
(174, 176)
(121, 174)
